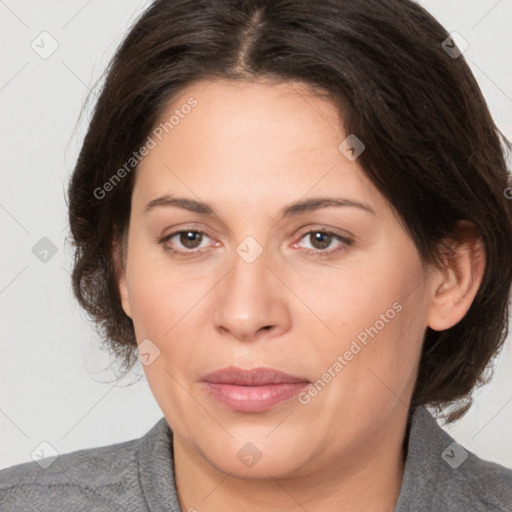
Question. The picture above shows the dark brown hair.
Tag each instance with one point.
(432, 148)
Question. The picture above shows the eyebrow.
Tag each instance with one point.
(303, 206)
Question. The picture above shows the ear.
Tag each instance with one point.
(455, 285)
(119, 250)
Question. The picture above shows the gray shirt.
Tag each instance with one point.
(138, 475)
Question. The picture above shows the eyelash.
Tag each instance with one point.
(321, 253)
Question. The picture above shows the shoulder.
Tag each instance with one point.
(446, 476)
(479, 484)
(96, 479)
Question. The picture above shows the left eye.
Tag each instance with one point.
(321, 240)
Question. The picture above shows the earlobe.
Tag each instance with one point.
(458, 282)
(123, 293)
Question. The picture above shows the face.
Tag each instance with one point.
(334, 295)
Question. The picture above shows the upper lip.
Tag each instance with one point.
(252, 377)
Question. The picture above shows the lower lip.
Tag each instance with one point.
(254, 398)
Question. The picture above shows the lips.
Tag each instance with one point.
(254, 390)
(252, 377)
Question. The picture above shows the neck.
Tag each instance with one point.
(368, 478)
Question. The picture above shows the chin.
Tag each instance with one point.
(257, 459)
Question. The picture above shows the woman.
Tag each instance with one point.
(294, 214)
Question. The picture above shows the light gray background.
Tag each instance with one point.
(55, 384)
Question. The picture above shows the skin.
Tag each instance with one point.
(248, 149)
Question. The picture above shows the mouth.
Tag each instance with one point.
(254, 390)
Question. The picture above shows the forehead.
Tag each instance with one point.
(259, 140)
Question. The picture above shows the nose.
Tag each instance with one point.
(251, 301)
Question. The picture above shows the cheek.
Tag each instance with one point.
(355, 301)
(171, 309)
(159, 298)
(151, 307)
(378, 318)
(163, 312)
